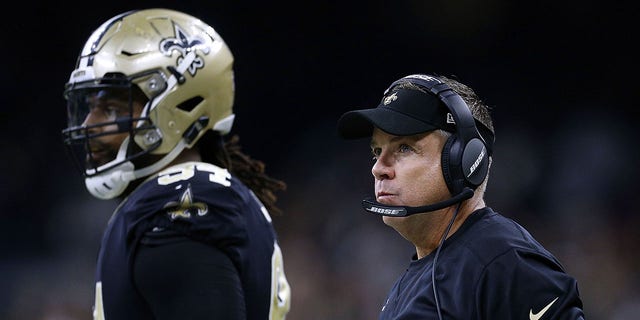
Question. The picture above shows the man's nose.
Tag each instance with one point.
(382, 169)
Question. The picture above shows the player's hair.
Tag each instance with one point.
(228, 154)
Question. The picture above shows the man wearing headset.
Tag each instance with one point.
(432, 140)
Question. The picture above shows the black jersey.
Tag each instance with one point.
(219, 219)
(491, 268)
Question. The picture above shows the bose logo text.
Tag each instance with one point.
(393, 212)
(476, 163)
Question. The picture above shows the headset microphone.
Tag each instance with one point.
(403, 211)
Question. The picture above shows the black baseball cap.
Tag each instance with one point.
(402, 112)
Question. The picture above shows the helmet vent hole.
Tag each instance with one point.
(115, 78)
(190, 104)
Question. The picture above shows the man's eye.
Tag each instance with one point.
(114, 111)
(404, 148)
(376, 153)
(111, 113)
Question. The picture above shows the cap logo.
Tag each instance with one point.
(450, 118)
(390, 98)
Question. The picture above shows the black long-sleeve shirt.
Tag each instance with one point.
(491, 268)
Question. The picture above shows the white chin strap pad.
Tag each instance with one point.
(112, 184)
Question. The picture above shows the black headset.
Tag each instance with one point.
(465, 158)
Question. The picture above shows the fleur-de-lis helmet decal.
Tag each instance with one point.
(184, 44)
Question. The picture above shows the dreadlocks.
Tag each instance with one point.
(250, 171)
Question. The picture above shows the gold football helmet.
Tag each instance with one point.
(176, 65)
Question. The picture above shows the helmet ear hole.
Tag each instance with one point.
(138, 95)
(190, 104)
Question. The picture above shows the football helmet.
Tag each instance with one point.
(183, 70)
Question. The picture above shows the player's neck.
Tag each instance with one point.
(187, 155)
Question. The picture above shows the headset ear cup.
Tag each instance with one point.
(475, 163)
(446, 163)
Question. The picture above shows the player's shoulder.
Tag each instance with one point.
(200, 200)
(488, 235)
(190, 181)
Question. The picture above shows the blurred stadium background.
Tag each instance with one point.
(561, 77)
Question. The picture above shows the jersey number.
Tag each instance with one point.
(188, 170)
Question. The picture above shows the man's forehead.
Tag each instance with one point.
(379, 136)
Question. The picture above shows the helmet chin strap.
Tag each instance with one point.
(160, 164)
(112, 183)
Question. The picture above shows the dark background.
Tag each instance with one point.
(561, 77)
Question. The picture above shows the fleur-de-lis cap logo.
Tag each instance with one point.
(390, 98)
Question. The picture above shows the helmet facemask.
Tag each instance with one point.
(103, 118)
